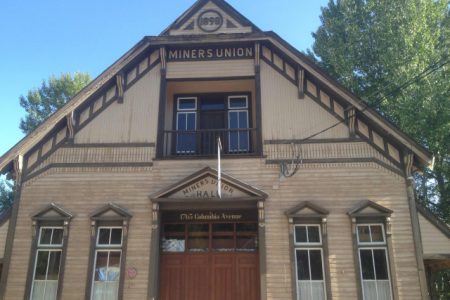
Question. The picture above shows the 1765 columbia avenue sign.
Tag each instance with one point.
(210, 53)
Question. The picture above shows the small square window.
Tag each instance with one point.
(51, 236)
(187, 103)
(109, 236)
(237, 102)
(307, 234)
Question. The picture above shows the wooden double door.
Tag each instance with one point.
(209, 262)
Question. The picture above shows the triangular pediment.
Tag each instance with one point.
(367, 208)
(111, 211)
(306, 209)
(210, 17)
(203, 185)
(52, 212)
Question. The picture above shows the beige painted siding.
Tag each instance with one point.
(336, 187)
(285, 116)
(134, 120)
(3, 234)
(210, 69)
(433, 240)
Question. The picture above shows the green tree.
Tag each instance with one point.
(6, 194)
(55, 92)
(373, 46)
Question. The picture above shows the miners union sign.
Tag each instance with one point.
(207, 187)
(210, 53)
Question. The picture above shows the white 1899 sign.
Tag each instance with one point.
(210, 20)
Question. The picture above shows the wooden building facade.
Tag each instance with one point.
(119, 195)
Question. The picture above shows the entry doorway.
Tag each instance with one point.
(210, 260)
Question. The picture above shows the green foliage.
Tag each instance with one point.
(373, 46)
(6, 194)
(55, 92)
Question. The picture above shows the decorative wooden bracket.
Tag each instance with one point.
(120, 81)
(261, 215)
(324, 226)
(155, 214)
(18, 168)
(70, 126)
(257, 57)
(162, 57)
(301, 83)
(351, 121)
(409, 160)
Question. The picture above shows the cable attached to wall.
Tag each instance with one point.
(289, 169)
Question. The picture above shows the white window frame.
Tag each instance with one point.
(51, 237)
(308, 246)
(370, 234)
(323, 281)
(106, 248)
(307, 235)
(186, 98)
(237, 108)
(373, 246)
(47, 248)
(98, 245)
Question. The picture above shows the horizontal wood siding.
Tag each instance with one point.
(336, 187)
(285, 116)
(3, 233)
(132, 121)
(433, 240)
(208, 69)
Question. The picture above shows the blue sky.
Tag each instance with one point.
(41, 38)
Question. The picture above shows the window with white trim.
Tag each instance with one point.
(310, 273)
(108, 254)
(47, 263)
(238, 137)
(186, 121)
(374, 263)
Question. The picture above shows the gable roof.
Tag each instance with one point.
(443, 227)
(367, 208)
(184, 17)
(309, 209)
(252, 192)
(52, 211)
(422, 155)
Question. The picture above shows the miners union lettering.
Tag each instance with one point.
(210, 53)
(207, 188)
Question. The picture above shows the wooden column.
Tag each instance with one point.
(262, 250)
(153, 275)
(258, 110)
(162, 104)
(17, 174)
(416, 228)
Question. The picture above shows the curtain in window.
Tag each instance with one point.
(310, 290)
(44, 289)
(376, 290)
(105, 290)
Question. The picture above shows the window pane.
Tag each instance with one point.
(57, 236)
(198, 237)
(366, 264)
(363, 234)
(116, 236)
(41, 265)
(46, 235)
(223, 227)
(181, 122)
(114, 266)
(302, 265)
(186, 103)
(246, 227)
(213, 104)
(246, 243)
(238, 102)
(313, 234)
(101, 266)
(103, 236)
(316, 264)
(169, 228)
(381, 267)
(377, 233)
(223, 243)
(53, 265)
(173, 244)
(190, 124)
(300, 234)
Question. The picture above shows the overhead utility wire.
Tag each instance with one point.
(429, 70)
